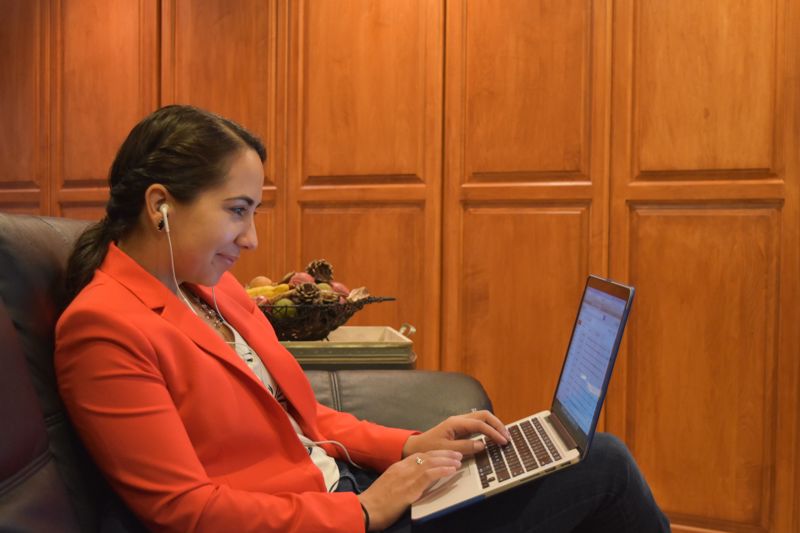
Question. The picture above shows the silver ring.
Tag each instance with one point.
(420, 460)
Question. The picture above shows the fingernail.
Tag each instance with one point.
(478, 445)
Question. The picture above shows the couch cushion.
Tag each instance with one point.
(409, 399)
(33, 256)
(33, 496)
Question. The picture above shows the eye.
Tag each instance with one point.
(239, 211)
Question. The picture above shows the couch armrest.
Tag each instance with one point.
(409, 399)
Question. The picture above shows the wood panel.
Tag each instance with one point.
(525, 188)
(705, 85)
(89, 210)
(525, 112)
(364, 128)
(105, 82)
(702, 358)
(705, 173)
(363, 103)
(224, 56)
(23, 130)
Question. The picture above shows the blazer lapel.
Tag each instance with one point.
(281, 365)
(160, 299)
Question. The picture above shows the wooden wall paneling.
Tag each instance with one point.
(25, 56)
(364, 153)
(525, 212)
(703, 357)
(105, 81)
(786, 506)
(704, 213)
(225, 57)
(713, 109)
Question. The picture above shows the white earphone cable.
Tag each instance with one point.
(342, 447)
(172, 269)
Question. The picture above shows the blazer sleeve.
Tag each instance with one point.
(370, 445)
(110, 381)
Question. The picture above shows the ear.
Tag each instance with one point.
(154, 197)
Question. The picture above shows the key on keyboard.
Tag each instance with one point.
(499, 463)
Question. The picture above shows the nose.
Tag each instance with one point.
(248, 239)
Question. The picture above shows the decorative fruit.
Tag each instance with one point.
(253, 292)
(280, 289)
(300, 277)
(340, 288)
(312, 287)
(270, 291)
(259, 281)
(284, 308)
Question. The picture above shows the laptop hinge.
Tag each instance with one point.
(562, 432)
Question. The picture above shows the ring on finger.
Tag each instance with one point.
(420, 460)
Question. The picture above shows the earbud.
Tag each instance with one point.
(164, 224)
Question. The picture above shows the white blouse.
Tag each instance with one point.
(323, 461)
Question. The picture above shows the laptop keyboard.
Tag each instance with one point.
(528, 449)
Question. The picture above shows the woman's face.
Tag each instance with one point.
(209, 233)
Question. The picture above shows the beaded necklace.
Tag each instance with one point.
(210, 313)
(242, 348)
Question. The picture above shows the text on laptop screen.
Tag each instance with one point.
(589, 355)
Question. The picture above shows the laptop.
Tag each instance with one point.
(549, 440)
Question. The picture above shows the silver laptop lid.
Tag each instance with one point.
(590, 358)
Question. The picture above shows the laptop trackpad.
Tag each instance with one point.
(446, 484)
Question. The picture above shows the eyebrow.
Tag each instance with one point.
(249, 201)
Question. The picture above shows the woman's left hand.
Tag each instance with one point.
(454, 434)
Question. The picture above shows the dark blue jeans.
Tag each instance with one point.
(603, 493)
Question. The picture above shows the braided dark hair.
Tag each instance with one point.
(186, 149)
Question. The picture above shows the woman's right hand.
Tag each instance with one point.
(403, 483)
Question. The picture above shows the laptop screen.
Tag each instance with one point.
(591, 354)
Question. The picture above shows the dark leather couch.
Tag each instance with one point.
(47, 481)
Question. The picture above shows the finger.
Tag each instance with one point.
(437, 458)
(432, 475)
(466, 447)
(492, 420)
(437, 465)
(441, 453)
(466, 425)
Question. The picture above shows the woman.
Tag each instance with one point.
(199, 418)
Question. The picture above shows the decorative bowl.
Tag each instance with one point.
(313, 322)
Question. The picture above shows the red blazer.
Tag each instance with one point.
(181, 427)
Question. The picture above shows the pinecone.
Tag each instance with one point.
(329, 297)
(306, 293)
(320, 270)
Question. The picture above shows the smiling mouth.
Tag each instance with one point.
(229, 258)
